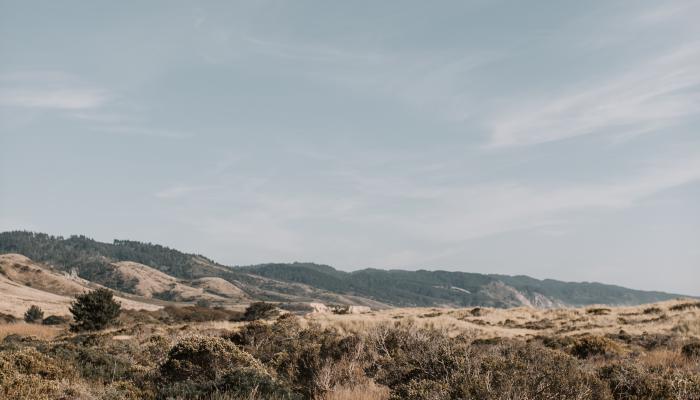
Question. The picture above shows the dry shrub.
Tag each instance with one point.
(685, 306)
(312, 361)
(691, 350)
(28, 374)
(419, 363)
(652, 310)
(629, 380)
(588, 346)
(200, 365)
(7, 318)
(598, 311)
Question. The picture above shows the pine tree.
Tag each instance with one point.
(94, 310)
(33, 315)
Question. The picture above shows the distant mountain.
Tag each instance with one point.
(168, 274)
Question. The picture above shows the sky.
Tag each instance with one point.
(553, 139)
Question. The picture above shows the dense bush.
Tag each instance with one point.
(94, 310)
(290, 359)
(691, 350)
(55, 320)
(200, 365)
(632, 381)
(588, 346)
(259, 310)
(33, 315)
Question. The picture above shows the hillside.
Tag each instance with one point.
(24, 282)
(151, 270)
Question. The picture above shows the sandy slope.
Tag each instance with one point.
(24, 282)
(151, 282)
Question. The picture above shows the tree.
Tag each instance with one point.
(33, 315)
(94, 310)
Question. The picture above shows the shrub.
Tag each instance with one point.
(203, 359)
(628, 380)
(33, 315)
(94, 310)
(418, 363)
(204, 303)
(588, 346)
(598, 311)
(691, 350)
(652, 310)
(684, 306)
(55, 320)
(7, 318)
(259, 310)
(26, 374)
(199, 365)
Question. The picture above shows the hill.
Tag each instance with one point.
(152, 270)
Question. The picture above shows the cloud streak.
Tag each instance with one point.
(59, 99)
(654, 96)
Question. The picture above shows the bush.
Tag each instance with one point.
(631, 381)
(200, 365)
(259, 310)
(94, 310)
(33, 315)
(55, 320)
(691, 350)
(203, 359)
(684, 306)
(7, 318)
(419, 363)
(598, 311)
(589, 346)
(204, 303)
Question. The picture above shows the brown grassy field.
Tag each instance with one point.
(644, 352)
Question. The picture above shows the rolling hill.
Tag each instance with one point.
(154, 271)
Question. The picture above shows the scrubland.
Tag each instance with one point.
(646, 352)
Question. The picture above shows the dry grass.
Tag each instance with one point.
(371, 391)
(43, 332)
(523, 322)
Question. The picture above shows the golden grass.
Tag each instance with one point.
(44, 332)
(371, 391)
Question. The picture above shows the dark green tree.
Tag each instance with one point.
(33, 315)
(94, 310)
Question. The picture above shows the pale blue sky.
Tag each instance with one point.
(554, 139)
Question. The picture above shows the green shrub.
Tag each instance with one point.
(259, 310)
(33, 315)
(691, 350)
(94, 310)
(55, 320)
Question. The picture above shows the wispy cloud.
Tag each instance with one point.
(61, 99)
(179, 191)
(649, 97)
(49, 90)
